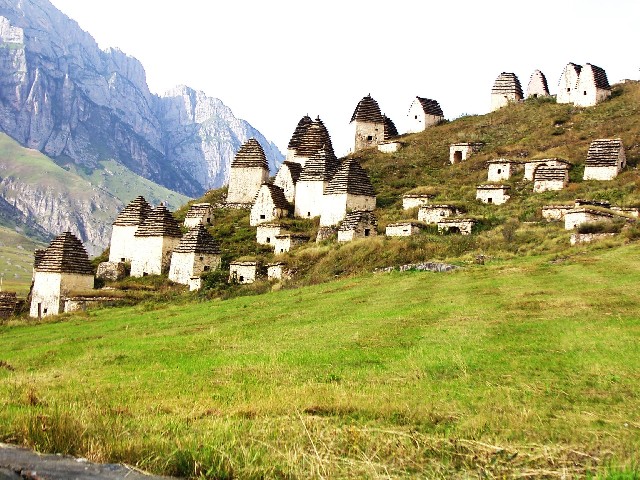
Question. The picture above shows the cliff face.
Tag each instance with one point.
(62, 95)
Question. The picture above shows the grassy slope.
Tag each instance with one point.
(522, 367)
(16, 260)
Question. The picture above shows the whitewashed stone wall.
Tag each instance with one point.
(243, 272)
(530, 167)
(575, 218)
(285, 182)
(497, 196)
(462, 226)
(498, 172)
(49, 290)
(153, 255)
(264, 210)
(577, 238)
(275, 271)
(205, 219)
(434, 213)
(418, 121)
(184, 266)
(368, 134)
(540, 186)
(266, 234)
(361, 231)
(244, 183)
(459, 152)
(555, 212)
(603, 173)
(122, 247)
(309, 198)
(284, 243)
(567, 86)
(402, 229)
(335, 207)
(389, 147)
(499, 100)
(586, 93)
(413, 201)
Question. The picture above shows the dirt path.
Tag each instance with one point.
(20, 464)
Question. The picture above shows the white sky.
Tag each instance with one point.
(273, 61)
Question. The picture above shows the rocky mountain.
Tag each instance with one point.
(64, 96)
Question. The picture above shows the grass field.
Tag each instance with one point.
(525, 368)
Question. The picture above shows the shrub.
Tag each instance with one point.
(600, 227)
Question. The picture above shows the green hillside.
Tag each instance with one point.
(16, 260)
(526, 368)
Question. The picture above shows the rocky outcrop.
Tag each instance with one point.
(62, 95)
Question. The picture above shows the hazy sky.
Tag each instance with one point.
(274, 61)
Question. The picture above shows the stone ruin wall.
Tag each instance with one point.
(465, 227)
(433, 214)
(575, 218)
(495, 196)
(410, 201)
(187, 265)
(243, 273)
(153, 255)
(402, 230)
(555, 212)
(266, 235)
(368, 134)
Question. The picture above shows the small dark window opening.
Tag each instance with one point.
(367, 232)
(457, 156)
(499, 171)
(453, 229)
(369, 138)
(585, 92)
(282, 250)
(416, 117)
(201, 258)
(535, 95)
(568, 89)
(308, 214)
(209, 220)
(262, 217)
(489, 200)
(268, 239)
(122, 259)
(206, 268)
(44, 311)
(241, 278)
(144, 274)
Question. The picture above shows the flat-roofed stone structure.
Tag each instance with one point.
(312, 184)
(199, 213)
(297, 138)
(270, 204)
(630, 211)
(432, 214)
(605, 159)
(550, 178)
(154, 241)
(593, 86)
(577, 216)
(197, 253)
(122, 246)
(413, 200)
(245, 272)
(266, 233)
(506, 89)
(276, 271)
(552, 213)
(286, 241)
(403, 229)
(531, 165)
(568, 83)
(249, 169)
(358, 224)
(459, 152)
(463, 226)
(287, 178)
(389, 146)
(538, 86)
(495, 194)
(501, 169)
(424, 113)
(63, 268)
(371, 127)
(578, 238)
(349, 189)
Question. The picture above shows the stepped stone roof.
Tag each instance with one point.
(390, 129)
(350, 178)
(576, 68)
(38, 255)
(367, 110)
(134, 214)
(198, 210)
(546, 160)
(538, 84)
(580, 202)
(299, 132)
(159, 223)
(507, 83)
(604, 153)
(547, 173)
(198, 240)
(321, 166)
(314, 138)
(65, 254)
(357, 217)
(430, 107)
(250, 155)
(493, 187)
(599, 76)
(277, 195)
(295, 168)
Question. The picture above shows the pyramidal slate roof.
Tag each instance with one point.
(604, 152)
(321, 166)
(304, 122)
(367, 110)
(159, 223)
(294, 168)
(315, 138)
(430, 107)
(507, 83)
(198, 210)
(599, 76)
(357, 217)
(351, 178)
(538, 84)
(250, 154)
(390, 129)
(277, 195)
(65, 254)
(135, 213)
(546, 173)
(198, 240)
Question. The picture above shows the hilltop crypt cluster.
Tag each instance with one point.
(313, 182)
